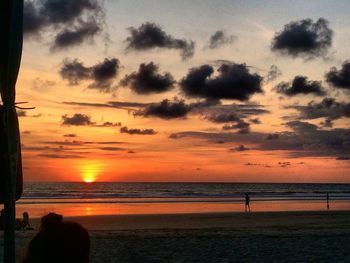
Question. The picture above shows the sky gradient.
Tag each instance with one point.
(232, 91)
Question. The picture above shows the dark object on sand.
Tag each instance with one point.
(247, 203)
(58, 242)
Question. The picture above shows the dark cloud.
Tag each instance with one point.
(304, 38)
(241, 126)
(26, 132)
(102, 74)
(340, 78)
(76, 35)
(111, 104)
(273, 73)
(272, 136)
(255, 121)
(72, 22)
(77, 119)
(219, 39)
(33, 21)
(303, 141)
(302, 127)
(74, 71)
(300, 86)
(150, 35)
(328, 108)
(223, 117)
(166, 109)
(60, 156)
(112, 149)
(70, 135)
(137, 131)
(240, 148)
(109, 124)
(148, 80)
(234, 81)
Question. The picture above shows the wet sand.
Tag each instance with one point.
(312, 236)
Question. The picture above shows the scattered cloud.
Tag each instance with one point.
(219, 39)
(340, 78)
(300, 86)
(234, 81)
(148, 80)
(273, 73)
(304, 38)
(165, 109)
(150, 36)
(70, 22)
(77, 119)
(102, 74)
(137, 131)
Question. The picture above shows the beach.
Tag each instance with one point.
(301, 236)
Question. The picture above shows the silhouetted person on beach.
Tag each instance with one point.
(24, 223)
(59, 242)
(247, 203)
(327, 197)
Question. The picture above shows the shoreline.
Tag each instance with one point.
(318, 236)
(37, 210)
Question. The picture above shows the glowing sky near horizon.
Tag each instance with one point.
(102, 128)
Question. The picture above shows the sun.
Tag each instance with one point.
(89, 171)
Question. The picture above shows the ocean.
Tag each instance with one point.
(109, 198)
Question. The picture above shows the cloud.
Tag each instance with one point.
(111, 104)
(240, 148)
(77, 119)
(273, 73)
(109, 124)
(304, 38)
(137, 131)
(102, 74)
(340, 78)
(150, 35)
(300, 86)
(74, 71)
(166, 109)
(328, 108)
(60, 156)
(302, 127)
(43, 85)
(70, 135)
(241, 126)
(70, 22)
(148, 80)
(234, 81)
(76, 35)
(219, 39)
(255, 121)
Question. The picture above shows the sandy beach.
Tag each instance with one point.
(312, 236)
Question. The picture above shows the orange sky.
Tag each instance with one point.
(192, 147)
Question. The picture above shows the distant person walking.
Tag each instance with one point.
(247, 202)
(327, 198)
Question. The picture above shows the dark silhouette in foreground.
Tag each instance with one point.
(327, 198)
(247, 202)
(59, 241)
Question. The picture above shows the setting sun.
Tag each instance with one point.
(89, 171)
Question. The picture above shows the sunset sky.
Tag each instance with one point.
(200, 90)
